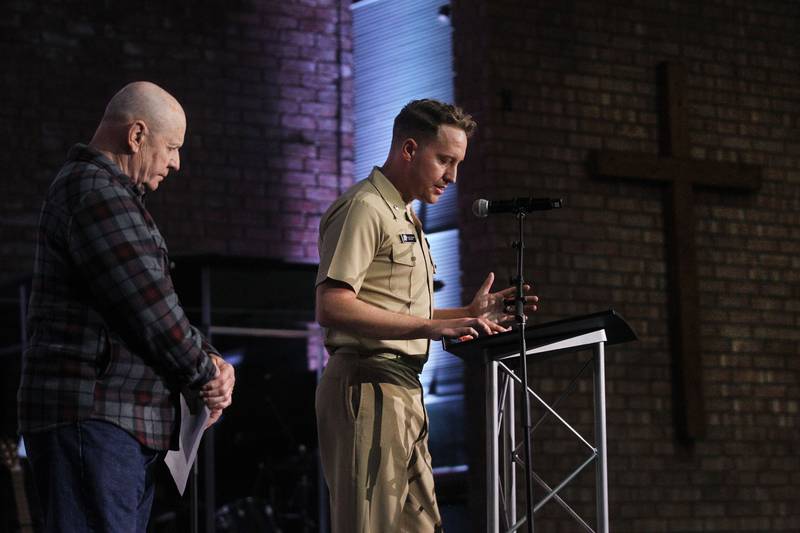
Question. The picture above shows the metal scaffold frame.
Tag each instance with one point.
(504, 392)
(503, 447)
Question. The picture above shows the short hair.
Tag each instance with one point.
(420, 119)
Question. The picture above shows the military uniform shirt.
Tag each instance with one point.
(371, 240)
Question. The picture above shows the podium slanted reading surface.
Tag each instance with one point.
(550, 339)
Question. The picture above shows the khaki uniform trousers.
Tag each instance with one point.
(373, 438)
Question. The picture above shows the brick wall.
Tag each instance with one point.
(552, 81)
(267, 91)
(266, 86)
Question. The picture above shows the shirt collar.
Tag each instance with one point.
(83, 152)
(388, 192)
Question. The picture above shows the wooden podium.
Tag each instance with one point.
(593, 332)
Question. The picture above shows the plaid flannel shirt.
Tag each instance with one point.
(108, 338)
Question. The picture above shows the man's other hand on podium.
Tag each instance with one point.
(463, 328)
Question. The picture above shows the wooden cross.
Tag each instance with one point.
(680, 173)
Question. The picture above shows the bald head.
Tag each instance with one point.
(145, 101)
(141, 131)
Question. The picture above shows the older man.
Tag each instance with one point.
(110, 348)
(375, 297)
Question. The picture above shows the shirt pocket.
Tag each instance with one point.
(404, 259)
(404, 254)
(163, 253)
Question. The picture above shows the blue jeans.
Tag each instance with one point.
(92, 476)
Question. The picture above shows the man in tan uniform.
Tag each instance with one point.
(375, 297)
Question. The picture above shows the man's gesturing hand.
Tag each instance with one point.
(492, 305)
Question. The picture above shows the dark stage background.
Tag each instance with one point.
(268, 90)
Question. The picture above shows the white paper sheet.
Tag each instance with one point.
(180, 461)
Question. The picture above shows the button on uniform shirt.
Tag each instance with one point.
(108, 338)
(371, 240)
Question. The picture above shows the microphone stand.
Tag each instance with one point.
(519, 309)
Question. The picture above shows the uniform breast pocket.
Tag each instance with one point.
(404, 259)
(403, 254)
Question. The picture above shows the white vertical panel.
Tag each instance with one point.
(444, 367)
(401, 52)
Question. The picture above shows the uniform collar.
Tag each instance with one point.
(389, 193)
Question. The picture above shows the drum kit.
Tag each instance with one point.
(265, 478)
(265, 448)
(286, 506)
(246, 515)
(265, 474)
(278, 495)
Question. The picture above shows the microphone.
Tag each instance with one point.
(482, 207)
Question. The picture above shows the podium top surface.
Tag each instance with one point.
(501, 344)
